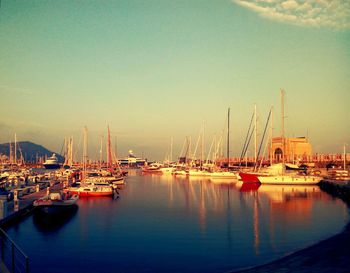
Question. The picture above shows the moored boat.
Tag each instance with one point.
(249, 177)
(283, 177)
(91, 190)
(52, 162)
(292, 179)
(152, 168)
(132, 160)
(56, 201)
(223, 174)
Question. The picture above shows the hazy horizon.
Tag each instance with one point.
(155, 70)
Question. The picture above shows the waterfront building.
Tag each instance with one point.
(296, 149)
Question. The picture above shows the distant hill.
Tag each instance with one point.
(30, 151)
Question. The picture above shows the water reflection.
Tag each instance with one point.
(249, 187)
(48, 223)
(287, 209)
(177, 224)
(96, 212)
(287, 193)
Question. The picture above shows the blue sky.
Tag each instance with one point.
(153, 70)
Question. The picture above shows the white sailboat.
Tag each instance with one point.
(283, 178)
(221, 175)
(88, 187)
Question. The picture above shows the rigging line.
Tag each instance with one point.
(245, 143)
(245, 151)
(196, 147)
(263, 137)
(211, 146)
(183, 147)
(261, 161)
(63, 146)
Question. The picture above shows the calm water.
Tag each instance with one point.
(166, 224)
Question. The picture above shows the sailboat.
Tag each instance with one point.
(87, 187)
(227, 175)
(251, 176)
(284, 178)
(56, 202)
(68, 157)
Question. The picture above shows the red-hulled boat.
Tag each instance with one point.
(91, 190)
(249, 177)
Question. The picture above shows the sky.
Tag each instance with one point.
(158, 70)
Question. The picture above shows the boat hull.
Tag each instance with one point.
(55, 209)
(198, 173)
(95, 194)
(223, 175)
(249, 177)
(289, 180)
(47, 205)
(51, 166)
(85, 193)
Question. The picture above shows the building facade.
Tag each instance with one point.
(296, 149)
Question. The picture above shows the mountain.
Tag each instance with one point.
(30, 151)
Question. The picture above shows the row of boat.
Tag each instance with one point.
(278, 174)
(93, 184)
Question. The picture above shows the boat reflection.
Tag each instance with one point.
(48, 223)
(216, 180)
(249, 187)
(285, 193)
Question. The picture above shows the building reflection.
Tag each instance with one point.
(289, 206)
(271, 209)
(284, 205)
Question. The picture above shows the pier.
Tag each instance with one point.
(13, 259)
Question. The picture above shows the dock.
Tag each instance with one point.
(12, 258)
(10, 211)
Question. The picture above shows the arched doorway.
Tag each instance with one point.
(278, 154)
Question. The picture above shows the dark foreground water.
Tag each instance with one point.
(167, 224)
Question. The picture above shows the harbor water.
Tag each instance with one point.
(173, 224)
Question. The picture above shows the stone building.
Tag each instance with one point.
(296, 149)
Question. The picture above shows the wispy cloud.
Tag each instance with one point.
(334, 14)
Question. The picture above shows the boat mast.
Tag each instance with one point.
(171, 149)
(202, 145)
(115, 153)
(109, 151)
(71, 151)
(15, 155)
(66, 150)
(344, 157)
(101, 148)
(11, 156)
(228, 138)
(85, 151)
(271, 135)
(189, 150)
(255, 137)
(282, 131)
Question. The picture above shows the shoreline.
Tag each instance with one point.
(328, 255)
